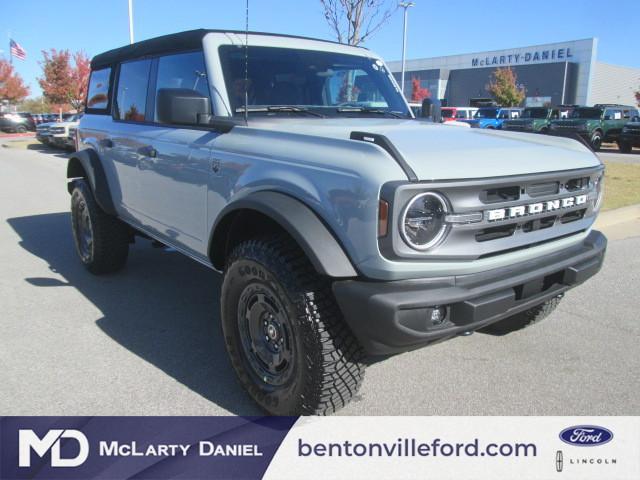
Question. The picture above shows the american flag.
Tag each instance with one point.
(16, 50)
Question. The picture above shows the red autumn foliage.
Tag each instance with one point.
(418, 93)
(12, 87)
(64, 82)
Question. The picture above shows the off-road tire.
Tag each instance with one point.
(523, 319)
(596, 140)
(326, 359)
(109, 247)
(625, 147)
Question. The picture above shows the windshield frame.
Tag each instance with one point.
(375, 70)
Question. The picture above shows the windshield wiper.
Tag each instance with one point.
(282, 108)
(378, 111)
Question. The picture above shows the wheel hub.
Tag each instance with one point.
(265, 334)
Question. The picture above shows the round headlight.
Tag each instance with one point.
(422, 221)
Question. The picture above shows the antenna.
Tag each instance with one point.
(246, 64)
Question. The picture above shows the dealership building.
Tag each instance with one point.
(555, 73)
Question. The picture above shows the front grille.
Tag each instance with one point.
(56, 130)
(525, 211)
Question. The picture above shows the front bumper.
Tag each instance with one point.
(392, 317)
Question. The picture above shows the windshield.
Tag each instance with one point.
(586, 113)
(324, 82)
(486, 113)
(535, 113)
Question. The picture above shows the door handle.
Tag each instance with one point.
(148, 151)
(106, 143)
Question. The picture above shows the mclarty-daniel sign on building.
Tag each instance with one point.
(565, 72)
(518, 58)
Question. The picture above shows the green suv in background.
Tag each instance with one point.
(597, 124)
(533, 119)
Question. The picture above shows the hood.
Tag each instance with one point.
(66, 124)
(437, 151)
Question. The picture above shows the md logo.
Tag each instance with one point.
(28, 440)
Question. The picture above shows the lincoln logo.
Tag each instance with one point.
(535, 208)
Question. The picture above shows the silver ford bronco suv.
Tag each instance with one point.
(346, 229)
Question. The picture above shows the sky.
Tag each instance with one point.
(434, 28)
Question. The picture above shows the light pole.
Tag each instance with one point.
(406, 6)
(130, 21)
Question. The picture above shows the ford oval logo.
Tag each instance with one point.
(586, 435)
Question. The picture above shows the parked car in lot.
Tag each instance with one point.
(465, 113)
(630, 135)
(533, 119)
(42, 132)
(492, 117)
(16, 122)
(58, 133)
(344, 228)
(448, 114)
(597, 124)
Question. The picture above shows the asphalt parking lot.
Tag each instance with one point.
(147, 341)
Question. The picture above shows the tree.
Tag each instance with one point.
(62, 82)
(418, 93)
(354, 21)
(35, 105)
(12, 87)
(637, 94)
(503, 86)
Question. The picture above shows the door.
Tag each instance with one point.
(613, 122)
(129, 134)
(175, 164)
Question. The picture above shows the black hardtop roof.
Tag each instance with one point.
(174, 42)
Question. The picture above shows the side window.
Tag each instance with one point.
(98, 93)
(131, 97)
(503, 114)
(182, 71)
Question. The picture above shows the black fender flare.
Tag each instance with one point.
(321, 248)
(90, 162)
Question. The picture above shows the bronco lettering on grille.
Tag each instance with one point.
(534, 208)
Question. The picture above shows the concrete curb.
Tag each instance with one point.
(619, 215)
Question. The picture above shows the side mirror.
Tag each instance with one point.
(182, 106)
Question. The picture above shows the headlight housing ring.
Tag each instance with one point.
(422, 223)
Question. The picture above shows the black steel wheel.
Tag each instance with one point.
(267, 336)
(596, 140)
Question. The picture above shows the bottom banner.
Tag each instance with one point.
(461, 448)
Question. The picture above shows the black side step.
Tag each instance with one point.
(389, 147)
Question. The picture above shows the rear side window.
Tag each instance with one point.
(98, 94)
(182, 71)
(131, 95)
